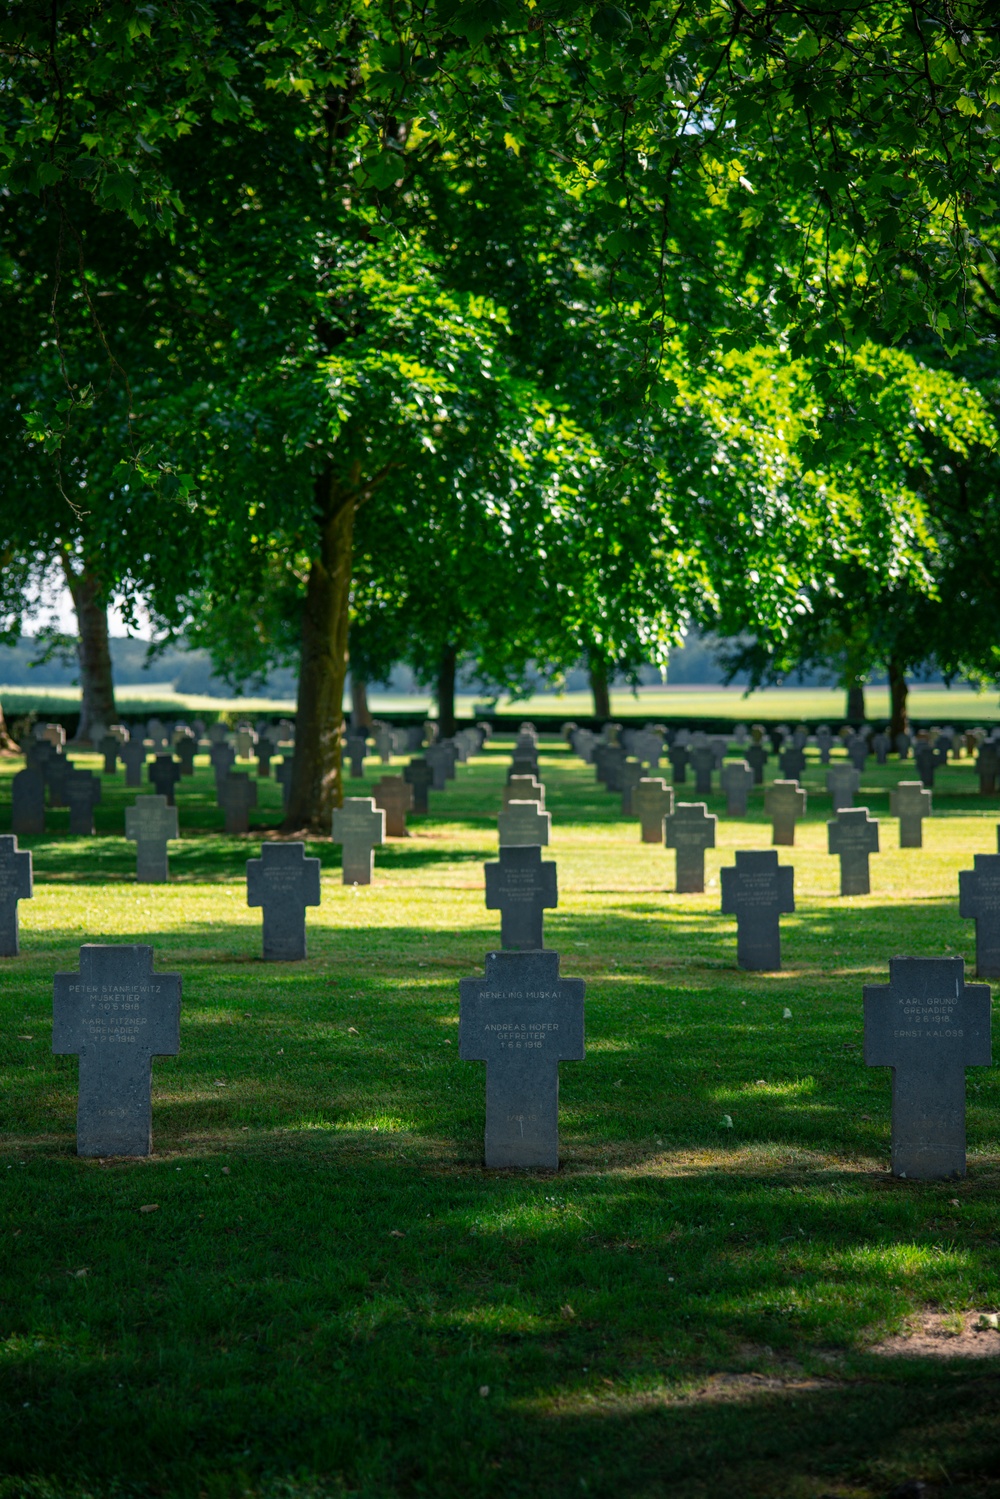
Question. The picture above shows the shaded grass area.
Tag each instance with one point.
(329, 1280)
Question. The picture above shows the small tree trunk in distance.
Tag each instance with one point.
(97, 688)
(855, 701)
(898, 692)
(598, 673)
(7, 745)
(447, 667)
(317, 785)
(360, 716)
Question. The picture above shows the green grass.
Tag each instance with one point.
(330, 1278)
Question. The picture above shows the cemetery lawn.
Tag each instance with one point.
(312, 1288)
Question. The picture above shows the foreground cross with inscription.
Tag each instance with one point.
(283, 881)
(757, 892)
(15, 885)
(521, 888)
(116, 1014)
(928, 1025)
(522, 1020)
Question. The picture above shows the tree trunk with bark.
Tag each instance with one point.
(7, 745)
(361, 717)
(855, 712)
(447, 669)
(97, 688)
(600, 689)
(317, 786)
(898, 692)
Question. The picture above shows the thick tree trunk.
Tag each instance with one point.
(855, 710)
(97, 688)
(600, 690)
(316, 779)
(447, 668)
(7, 745)
(898, 692)
(360, 715)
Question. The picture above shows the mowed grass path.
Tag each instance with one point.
(332, 1296)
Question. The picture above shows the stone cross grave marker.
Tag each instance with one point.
(383, 744)
(54, 733)
(265, 750)
(187, 748)
(521, 888)
(793, 763)
(652, 801)
(164, 773)
(928, 1025)
(853, 835)
(419, 775)
(979, 901)
(355, 749)
(359, 826)
(987, 768)
(678, 756)
(156, 732)
(223, 758)
(283, 776)
(523, 789)
(149, 824)
(523, 765)
(824, 743)
(881, 744)
(842, 782)
(857, 751)
(218, 734)
(245, 741)
(690, 830)
(83, 792)
(109, 748)
(648, 747)
(116, 1014)
(703, 763)
(238, 795)
(736, 778)
(928, 758)
(283, 881)
(395, 797)
(757, 757)
(757, 891)
(610, 767)
(524, 823)
(15, 885)
(719, 745)
(910, 801)
(55, 769)
(27, 791)
(438, 758)
(133, 756)
(784, 803)
(630, 775)
(522, 1020)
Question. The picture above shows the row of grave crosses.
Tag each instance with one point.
(522, 1018)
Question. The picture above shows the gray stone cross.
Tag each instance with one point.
(853, 835)
(524, 789)
(237, 794)
(757, 757)
(678, 757)
(522, 1020)
(842, 782)
(652, 801)
(355, 748)
(359, 827)
(164, 772)
(524, 823)
(928, 1025)
(27, 793)
(439, 758)
(784, 802)
(283, 882)
(116, 1014)
(757, 891)
(703, 763)
(133, 756)
(149, 824)
(792, 762)
(910, 801)
(736, 778)
(979, 901)
(521, 888)
(222, 758)
(690, 830)
(629, 776)
(15, 885)
(420, 776)
(987, 768)
(395, 796)
(109, 748)
(83, 792)
(283, 776)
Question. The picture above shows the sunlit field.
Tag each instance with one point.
(722, 1292)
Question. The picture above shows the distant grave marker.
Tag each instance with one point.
(439, 760)
(395, 797)
(283, 882)
(910, 801)
(116, 1014)
(652, 801)
(149, 824)
(857, 751)
(881, 744)
(164, 773)
(523, 789)
(419, 775)
(82, 790)
(757, 891)
(524, 823)
(793, 763)
(238, 795)
(521, 888)
(355, 748)
(186, 751)
(703, 763)
(629, 777)
(928, 1025)
(979, 901)
(853, 835)
(987, 768)
(222, 758)
(522, 1020)
(843, 783)
(678, 757)
(27, 792)
(133, 756)
(736, 779)
(109, 748)
(757, 757)
(824, 743)
(784, 803)
(690, 830)
(15, 885)
(283, 776)
(359, 827)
